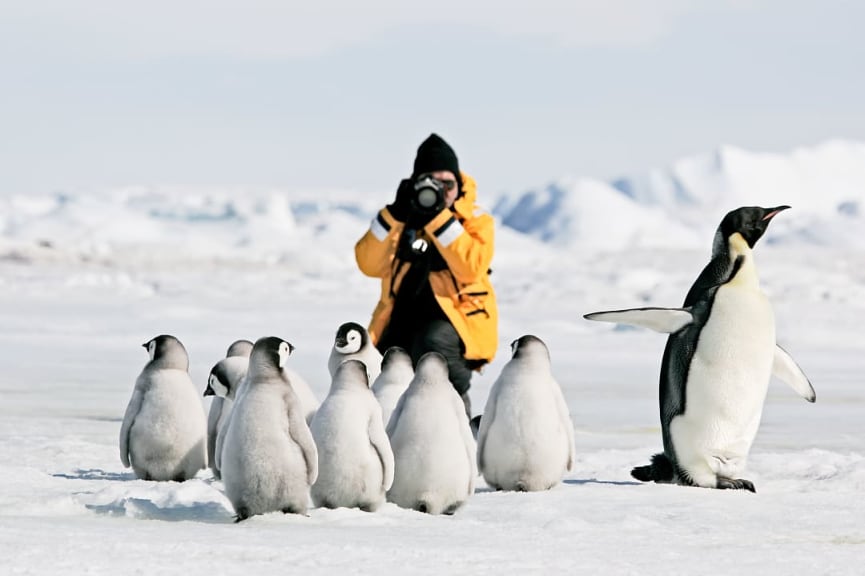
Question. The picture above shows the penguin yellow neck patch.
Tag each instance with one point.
(747, 273)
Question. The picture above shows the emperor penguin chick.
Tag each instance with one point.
(396, 374)
(269, 459)
(355, 461)
(526, 437)
(163, 435)
(353, 341)
(433, 447)
(223, 384)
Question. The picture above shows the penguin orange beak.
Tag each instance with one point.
(774, 212)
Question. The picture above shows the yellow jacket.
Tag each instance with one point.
(464, 236)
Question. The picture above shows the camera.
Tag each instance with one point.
(428, 196)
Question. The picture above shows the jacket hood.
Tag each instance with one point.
(464, 205)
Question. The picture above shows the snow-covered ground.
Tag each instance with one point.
(86, 279)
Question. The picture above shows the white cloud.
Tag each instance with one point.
(257, 28)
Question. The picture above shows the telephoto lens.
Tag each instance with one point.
(429, 195)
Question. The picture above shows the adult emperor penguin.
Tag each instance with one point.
(353, 341)
(355, 461)
(717, 363)
(526, 437)
(433, 447)
(223, 383)
(163, 435)
(396, 375)
(269, 459)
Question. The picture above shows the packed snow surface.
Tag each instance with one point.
(86, 278)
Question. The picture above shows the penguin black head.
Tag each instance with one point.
(218, 383)
(239, 348)
(528, 345)
(166, 351)
(750, 222)
(226, 376)
(350, 338)
(270, 351)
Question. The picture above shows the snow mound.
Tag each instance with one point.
(314, 231)
(170, 501)
(824, 184)
(588, 213)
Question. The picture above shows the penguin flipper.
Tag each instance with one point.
(300, 434)
(486, 421)
(380, 443)
(390, 428)
(132, 411)
(213, 417)
(664, 320)
(785, 369)
(567, 423)
(220, 442)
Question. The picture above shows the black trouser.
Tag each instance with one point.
(437, 335)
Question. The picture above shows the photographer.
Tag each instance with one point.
(432, 249)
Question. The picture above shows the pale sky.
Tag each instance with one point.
(96, 94)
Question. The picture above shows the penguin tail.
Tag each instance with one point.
(475, 425)
(660, 470)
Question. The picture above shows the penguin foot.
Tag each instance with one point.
(242, 514)
(450, 510)
(735, 484)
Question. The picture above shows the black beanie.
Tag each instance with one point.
(435, 154)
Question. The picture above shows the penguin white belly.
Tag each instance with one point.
(726, 386)
(432, 464)
(526, 447)
(168, 438)
(262, 467)
(350, 472)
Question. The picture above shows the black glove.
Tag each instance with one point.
(401, 206)
(417, 219)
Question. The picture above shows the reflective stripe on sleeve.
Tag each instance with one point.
(449, 231)
(379, 227)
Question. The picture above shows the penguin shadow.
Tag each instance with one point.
(144, 509)
(583, 482)
(96, 474)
